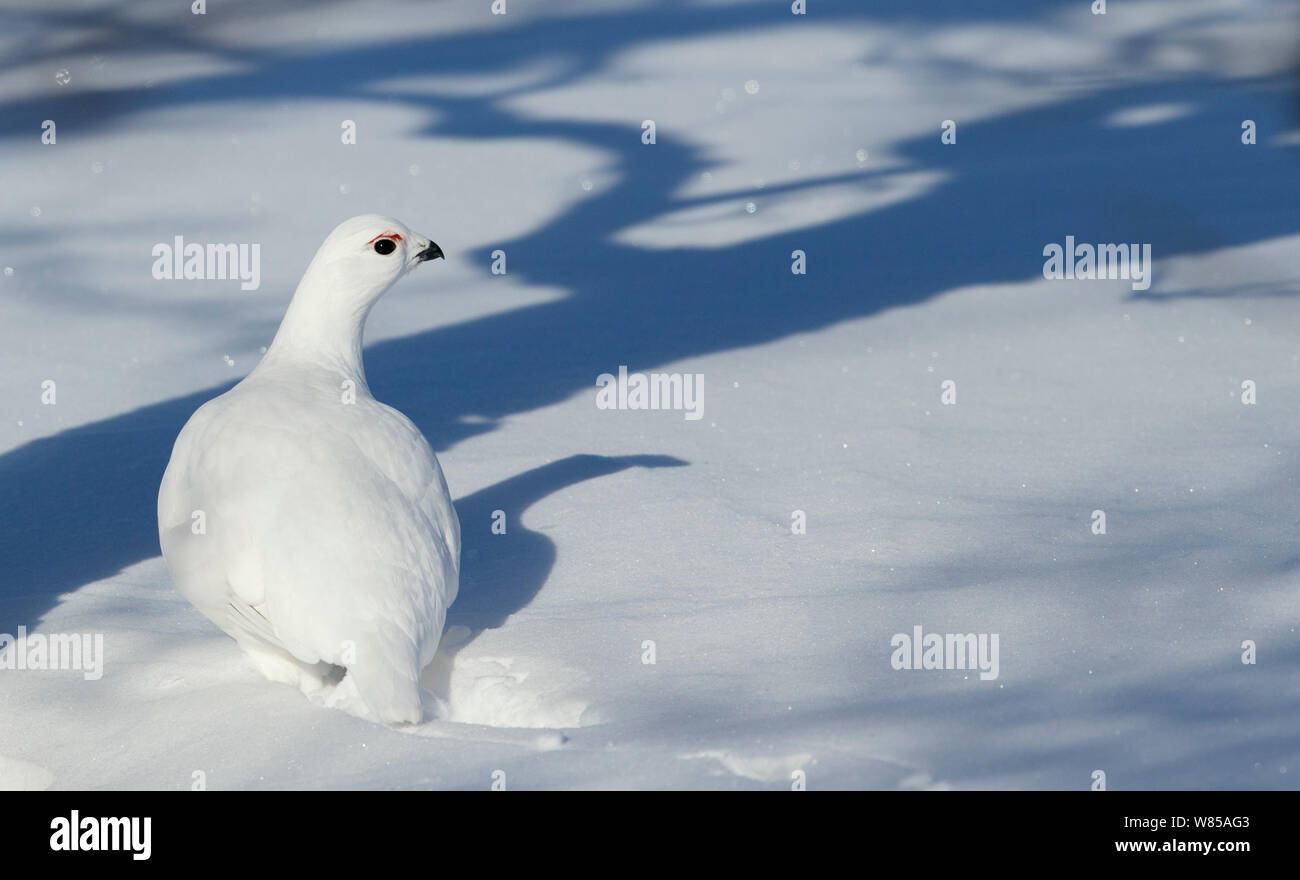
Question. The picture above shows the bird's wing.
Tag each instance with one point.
(252, 623)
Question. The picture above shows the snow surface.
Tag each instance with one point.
(1119, 652)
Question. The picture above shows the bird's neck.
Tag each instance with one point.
(322, 327)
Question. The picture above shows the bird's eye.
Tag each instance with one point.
(385, 246)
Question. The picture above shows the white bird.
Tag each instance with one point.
(309, 520)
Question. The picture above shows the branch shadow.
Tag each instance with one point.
(505, 572)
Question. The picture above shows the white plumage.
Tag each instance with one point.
(309, 520)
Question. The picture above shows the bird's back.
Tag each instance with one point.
(326, 513)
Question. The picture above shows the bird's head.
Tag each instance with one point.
(363, 256)
(358, 262)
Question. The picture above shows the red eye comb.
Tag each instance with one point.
(393, 235)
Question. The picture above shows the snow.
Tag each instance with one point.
(1119, 652)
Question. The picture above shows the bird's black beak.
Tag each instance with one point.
(432, 252)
